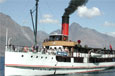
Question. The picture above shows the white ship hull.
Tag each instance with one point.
(29, 72)
(20, 63)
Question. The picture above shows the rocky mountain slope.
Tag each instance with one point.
(90, 37)
(19, 35)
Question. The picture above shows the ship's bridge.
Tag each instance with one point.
(58, 40)
(58, 37)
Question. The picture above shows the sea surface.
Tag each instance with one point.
(102, 73)
(110, 72)
(1, 66)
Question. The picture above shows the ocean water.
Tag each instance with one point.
(101, 73)
(1, 66)
(110, 72)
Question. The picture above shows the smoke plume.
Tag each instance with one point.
(73, 5)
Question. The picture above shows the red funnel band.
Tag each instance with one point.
(65, 29)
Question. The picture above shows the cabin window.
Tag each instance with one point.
(47, 47)
(59, 47)
(98, 60)
(55, 38)
(113, 59)
(63, 59)
(55, 48)
(50, 47)
(78, 59)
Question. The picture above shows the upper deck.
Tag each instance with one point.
(58, 40)
(59, 43)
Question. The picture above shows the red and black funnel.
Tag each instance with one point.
(65, 25)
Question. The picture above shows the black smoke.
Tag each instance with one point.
(73, 5)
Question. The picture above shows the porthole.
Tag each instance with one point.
(31, 56)
(41, 57)
(22, 55)
(36, 56)
(46, 57)
(52, 57)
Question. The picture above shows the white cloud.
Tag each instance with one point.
(109, 24)
(83, 11)
(48, 19)
(111, 34)
(47, 16)
(1, 1)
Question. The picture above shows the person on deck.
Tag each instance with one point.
(66, 49)
(110, 47)
(78, 46)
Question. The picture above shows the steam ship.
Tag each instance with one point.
(58, 55)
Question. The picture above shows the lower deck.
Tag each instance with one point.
(31, 58)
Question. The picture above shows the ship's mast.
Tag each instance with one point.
(36, 21)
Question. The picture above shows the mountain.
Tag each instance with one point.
(56, 31)
(19, 35)
(42, 36)
(90, 37)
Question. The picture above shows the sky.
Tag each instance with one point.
(96, 14)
